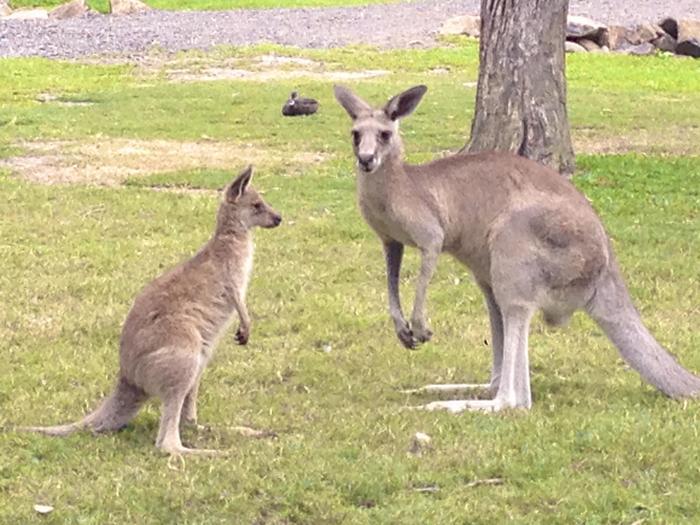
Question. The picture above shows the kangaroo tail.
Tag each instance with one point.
(613, 310)
(114, 413)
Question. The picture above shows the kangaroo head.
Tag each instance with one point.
(375, 132)
(242, 208)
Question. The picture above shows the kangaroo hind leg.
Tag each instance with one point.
(514, 386)
(173, 373)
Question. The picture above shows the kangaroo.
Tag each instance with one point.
(529, 237)
(176, 321)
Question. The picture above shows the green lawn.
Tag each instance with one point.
(189, 5)
(323, 368)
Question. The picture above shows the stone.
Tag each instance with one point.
(469, 25)
(665, 42)
(614, 37)
(28, 14)
(647, 48)
(573, 47)
(589, 45)
(69, 10)
(582, 27)
(670, 26)
(643, 33)
(688, 38)
(127, 7)
(688, 48)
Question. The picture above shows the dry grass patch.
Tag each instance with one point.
(679, 141)
(223, 73)
(111, 161)
(261, 68)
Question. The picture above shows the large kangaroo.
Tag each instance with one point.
(529, 237)
(175, 323)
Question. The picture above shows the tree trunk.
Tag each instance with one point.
(521, 93)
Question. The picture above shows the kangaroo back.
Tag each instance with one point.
(613, 310)
(114, 413)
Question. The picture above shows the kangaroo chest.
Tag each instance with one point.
(233, 288)
(246, 269)
(381, 210)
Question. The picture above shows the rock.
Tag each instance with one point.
(688, 38)
(688, 48)
(5, 9)
(614, 37)
(647, 48)
(469, 25)
(665, 42)
(582, 27)
(643, 33)
(28, 14)
(620, 38)
(670, 26)
(127, 7)
(589, 45)
(573, 47)
(69, 10)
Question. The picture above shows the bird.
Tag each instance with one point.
(297, 105)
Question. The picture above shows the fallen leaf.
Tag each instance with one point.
(43, 509)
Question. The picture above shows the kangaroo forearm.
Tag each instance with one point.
(394, 255)
(242, 311)
(244, 317)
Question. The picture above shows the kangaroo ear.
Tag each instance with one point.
(353, 104)
(238, 186)
(403, 104)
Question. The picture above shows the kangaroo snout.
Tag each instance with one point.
(367, 163)
(276, 220)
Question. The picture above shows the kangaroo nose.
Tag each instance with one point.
(277, 220)
(365, 160)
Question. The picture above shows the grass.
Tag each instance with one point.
(212, 5)
(616, 103)
(323, 368)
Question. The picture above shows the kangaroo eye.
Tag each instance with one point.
(258, 206)
(385, 136)
(356, 137)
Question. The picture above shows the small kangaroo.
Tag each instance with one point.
(175, 322)
(530, 239)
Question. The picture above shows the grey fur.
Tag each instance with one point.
(531, 240)
(175, 322)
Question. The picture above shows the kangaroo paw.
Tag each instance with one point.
(422, 335)
(405, 335)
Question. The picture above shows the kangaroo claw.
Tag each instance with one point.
(242, 336)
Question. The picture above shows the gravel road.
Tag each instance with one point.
(405, 24)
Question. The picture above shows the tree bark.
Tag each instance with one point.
(521, 92)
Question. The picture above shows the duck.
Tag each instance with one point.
(297, 105)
